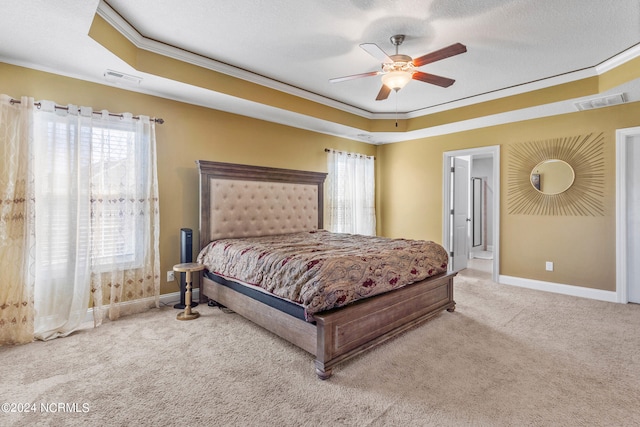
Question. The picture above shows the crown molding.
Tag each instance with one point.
(618, 60)
(509, 91)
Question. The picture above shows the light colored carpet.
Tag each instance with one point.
(506, 357)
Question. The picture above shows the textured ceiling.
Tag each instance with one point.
(298, 45)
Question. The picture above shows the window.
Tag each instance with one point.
(92, 178)
(351, 193)
(117, 234)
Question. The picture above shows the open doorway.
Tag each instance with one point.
(471, 208)
(627, 213)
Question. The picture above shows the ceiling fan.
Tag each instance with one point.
(398, 69)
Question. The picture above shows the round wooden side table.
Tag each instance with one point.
(188, 268)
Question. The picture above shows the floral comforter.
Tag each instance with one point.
(322, 270)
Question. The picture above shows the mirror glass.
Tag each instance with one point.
(552, 176)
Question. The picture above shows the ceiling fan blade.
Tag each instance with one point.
(375, 51)
(445, 52)
(384, 93)
(432, 78)
(354, 76)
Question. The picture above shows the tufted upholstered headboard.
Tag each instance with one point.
(248, 201)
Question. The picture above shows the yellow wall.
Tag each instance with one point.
(409, 174)
(582, 248)
(188, 134)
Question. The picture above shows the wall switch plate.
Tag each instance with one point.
(549, 266)
(171, 276)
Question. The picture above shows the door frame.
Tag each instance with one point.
(622, 285)
(494, 151)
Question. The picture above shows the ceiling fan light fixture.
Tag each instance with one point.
(396, 80)
(398, 69)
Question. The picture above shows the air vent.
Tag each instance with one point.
(118, 77)
(605, 101)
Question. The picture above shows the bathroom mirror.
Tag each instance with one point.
(552, 176)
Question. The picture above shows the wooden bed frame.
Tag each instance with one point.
(337, 334)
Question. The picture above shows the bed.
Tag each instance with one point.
(238, 202)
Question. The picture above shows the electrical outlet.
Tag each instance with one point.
(171, 276)
(549, 266)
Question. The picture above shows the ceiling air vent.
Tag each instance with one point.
(605, 101)
(118, 77)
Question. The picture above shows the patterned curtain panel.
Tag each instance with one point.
(125, 219)
(351, 193)
(16, 222)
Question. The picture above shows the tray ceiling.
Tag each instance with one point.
(296, 46)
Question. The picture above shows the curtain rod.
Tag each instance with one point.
(61, 107)
(328, 150)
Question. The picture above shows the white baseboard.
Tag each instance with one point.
(165, 299)
(558, 288)
(174, 297)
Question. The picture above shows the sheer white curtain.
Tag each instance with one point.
(62, 191)
(16, 221)
(96, 215)
(351, 193)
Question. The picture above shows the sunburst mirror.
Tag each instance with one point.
(562, 176)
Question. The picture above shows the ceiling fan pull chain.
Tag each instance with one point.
(396, 108)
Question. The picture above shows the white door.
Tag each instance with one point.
(447, 205)
(633, 217)
(460, 213)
